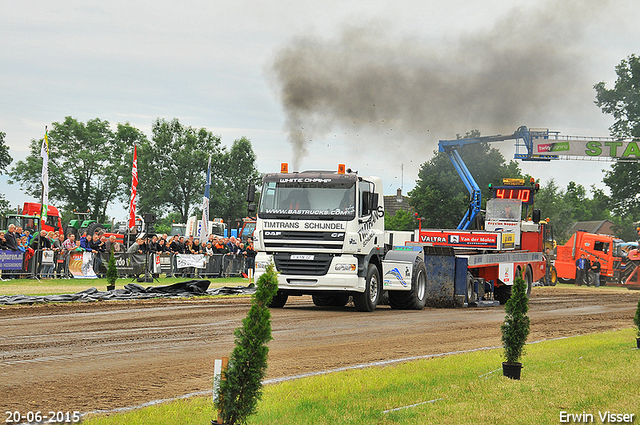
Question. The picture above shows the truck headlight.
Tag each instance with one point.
(345, 267)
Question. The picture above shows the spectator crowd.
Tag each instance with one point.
(50, 243)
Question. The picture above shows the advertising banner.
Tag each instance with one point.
(11, 260)
(457, 239)
(190, 260)
(623, 149)
(81, 265)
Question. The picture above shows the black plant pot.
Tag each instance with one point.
(638, 342)
(111, 287)
(511, 370)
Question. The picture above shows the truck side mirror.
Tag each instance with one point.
(251, 193)
(251, 208)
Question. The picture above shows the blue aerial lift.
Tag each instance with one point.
(451, 147)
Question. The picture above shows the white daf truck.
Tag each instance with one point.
(324, 231)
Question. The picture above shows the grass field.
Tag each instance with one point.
(71, 286)
(587, 374)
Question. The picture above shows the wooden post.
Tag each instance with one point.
(220, 368)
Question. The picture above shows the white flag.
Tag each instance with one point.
(44, 153)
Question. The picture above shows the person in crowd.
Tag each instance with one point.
(40, 244)
(22, 244)
(164, 237)
(61, 256)
(208, 250)
(196, 248)
(581, 269)
(595, 272)
(84, 241)
(3, 242)
(175, 245)
(220, 247)
(11, 238)
(112, 243)
(70, 243)
(152, 246)
(28, 252)
(162, 246)
(188, 247)
(231, 245)
(29, 236)
(78, 247)
(53, 239)
(250, 255)
(137, 247)
(97, 248)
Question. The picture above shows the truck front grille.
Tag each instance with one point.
(319, 266)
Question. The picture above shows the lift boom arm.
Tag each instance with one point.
(451, 147)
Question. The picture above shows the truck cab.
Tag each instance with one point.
(324, 232)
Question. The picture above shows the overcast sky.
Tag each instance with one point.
(373, 84)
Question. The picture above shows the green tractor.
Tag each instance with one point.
(83, 224)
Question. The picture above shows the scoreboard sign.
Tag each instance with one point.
(524, 194)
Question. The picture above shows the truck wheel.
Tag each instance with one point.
(528, 279)
(368, 300)
(471, 293)
(70, 230)
(279, 300)
(338, 300)
(91, 228)
(416, 298)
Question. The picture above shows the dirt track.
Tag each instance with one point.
(107, 355)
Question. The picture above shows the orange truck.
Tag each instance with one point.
(607, 249)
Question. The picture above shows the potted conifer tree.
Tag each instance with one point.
(515, 329)
(241, 385)
(636, 321)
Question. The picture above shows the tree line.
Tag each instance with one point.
(90, 169)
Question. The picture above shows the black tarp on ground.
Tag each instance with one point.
(132, 291)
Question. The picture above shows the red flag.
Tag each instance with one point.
(134, 185)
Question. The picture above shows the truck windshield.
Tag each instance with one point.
(326, 199)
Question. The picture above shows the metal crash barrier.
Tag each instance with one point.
(43, 264)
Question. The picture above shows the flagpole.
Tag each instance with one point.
(44, 152)
(204, 229)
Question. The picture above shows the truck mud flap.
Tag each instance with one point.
(446, 280)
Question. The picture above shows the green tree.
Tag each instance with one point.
(402, 220)
(87, 165)
(239, 170)
(5, 160)
(564, 207)
(441, 197)
(172, 167)
(623, 103)
(242, 385)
